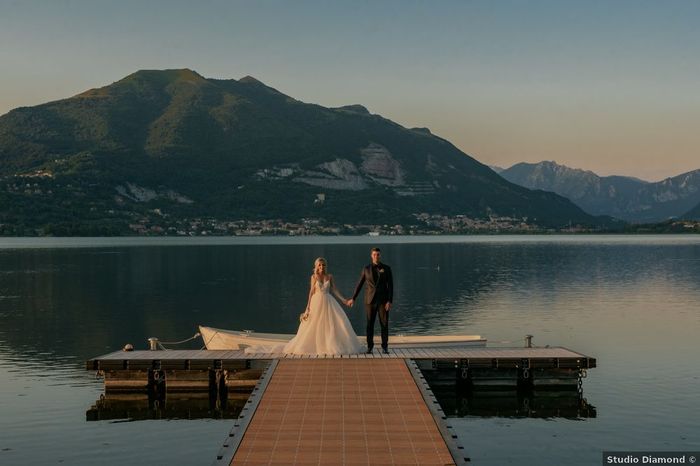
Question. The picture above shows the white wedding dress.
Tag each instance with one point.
(326, 331)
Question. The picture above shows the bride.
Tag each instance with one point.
(324, 327)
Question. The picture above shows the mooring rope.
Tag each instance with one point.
(161, 343)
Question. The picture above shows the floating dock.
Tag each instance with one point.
(194, 370)
(351, 409)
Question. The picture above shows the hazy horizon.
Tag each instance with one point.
(606, 87)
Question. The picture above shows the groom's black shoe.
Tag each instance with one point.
(369, 351)
(385, 350)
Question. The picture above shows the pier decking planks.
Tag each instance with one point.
(481, 354)
(342, 411)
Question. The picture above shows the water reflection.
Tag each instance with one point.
(567, 404)
(140, 407)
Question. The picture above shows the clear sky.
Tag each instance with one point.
(610, 86)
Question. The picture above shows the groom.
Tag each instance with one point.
(379, 294)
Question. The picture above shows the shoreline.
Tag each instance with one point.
(48, 242)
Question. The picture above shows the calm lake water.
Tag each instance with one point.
(631, 302)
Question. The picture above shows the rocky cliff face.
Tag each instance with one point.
(378, 167)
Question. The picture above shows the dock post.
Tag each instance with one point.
(524, 375)
(156, 381)
(153, 343)
(217, 383)
(463, 377)
(528, 341)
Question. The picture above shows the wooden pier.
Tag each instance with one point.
(350, 409)
(344, 411)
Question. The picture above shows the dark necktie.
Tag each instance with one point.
(375, 274)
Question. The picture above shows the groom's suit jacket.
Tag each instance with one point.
(380, 290)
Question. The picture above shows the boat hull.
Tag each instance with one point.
(220, 339)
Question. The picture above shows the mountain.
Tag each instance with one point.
(693, 214)
(172, 143)
(627, 198)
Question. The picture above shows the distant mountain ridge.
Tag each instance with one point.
(181, 145)
(627, 198)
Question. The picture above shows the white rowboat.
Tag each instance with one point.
(219, 339)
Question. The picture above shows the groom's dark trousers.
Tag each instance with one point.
(374, 309)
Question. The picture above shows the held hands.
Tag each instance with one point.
(350, 302)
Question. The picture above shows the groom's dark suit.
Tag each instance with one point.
(379, 291)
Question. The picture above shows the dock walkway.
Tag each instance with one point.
(340, 411)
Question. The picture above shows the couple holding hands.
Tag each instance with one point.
(324, 327)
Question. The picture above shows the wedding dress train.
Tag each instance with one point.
(326, 331)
